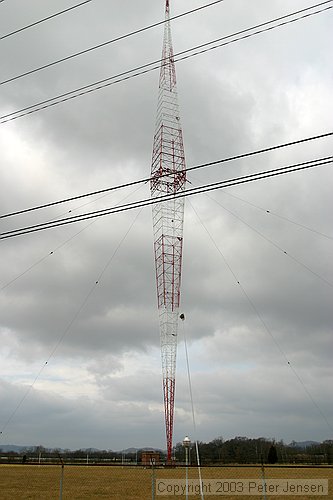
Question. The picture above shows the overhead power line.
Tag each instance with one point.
(188, 192)
(149, 67)
(65, 242)
(43, 20)
(271, 242)
(108, 42)
(189, 169)
(69, 325)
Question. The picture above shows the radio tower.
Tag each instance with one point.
(168, 177)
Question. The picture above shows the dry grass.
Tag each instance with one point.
(29, 482)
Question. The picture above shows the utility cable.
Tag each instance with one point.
(43, 20)
(141, 70)
(163, 198)
(70, 324)
(189, 169)
(168, 197)
(271, 242)
(267, 329)
(108, 42)
(64, 243)
(105, 195)
(182, 317)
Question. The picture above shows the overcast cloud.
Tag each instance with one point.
(101, 386)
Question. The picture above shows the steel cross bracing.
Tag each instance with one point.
(168, 175)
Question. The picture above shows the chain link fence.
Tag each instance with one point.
(125, 482)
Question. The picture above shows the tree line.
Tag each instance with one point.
(238, 450)
(243, 450)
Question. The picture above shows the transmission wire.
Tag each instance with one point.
(273, 243)
(150, 201)
(189, 169)
(108, 42)
(140, 70)
(61, 245)
(70, 324)
(42, 20)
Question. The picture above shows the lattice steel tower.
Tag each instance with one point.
(168, 177)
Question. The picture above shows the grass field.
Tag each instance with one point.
(32, 482)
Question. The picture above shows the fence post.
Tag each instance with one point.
(263, 479)
(152, 479)
(61, 478)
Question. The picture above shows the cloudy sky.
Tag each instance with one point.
(101, 385)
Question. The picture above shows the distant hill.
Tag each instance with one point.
(19, 448)
(303, 444)
(91, 450)
(14, 447)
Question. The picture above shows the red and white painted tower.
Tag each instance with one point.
(168, 177)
